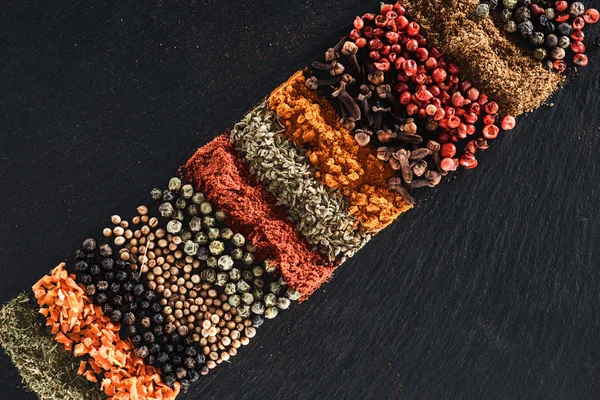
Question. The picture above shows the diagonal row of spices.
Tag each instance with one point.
(261, 217)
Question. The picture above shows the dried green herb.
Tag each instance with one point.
(46, 368)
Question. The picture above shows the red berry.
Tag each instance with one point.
(561, 5)
(508, 123)
(385, 50)
(423, 94)
(401, 22)
(368, 17)
(439, 75)
(453, 122)
(489, 119)
(421, 54)
(453, 69)
(457, 99)
(359, 23)
(535, 9)
(413, 29)
(468, 161)
(375, 44)
(471, 147)
(374, 55)
(383, 65)
(378, 32)
(578, 23)
(381, 21)
(580, 60)
(392, 37)
(386, 7)
(447, 164)
(361, 42)
(577, 47)
(354, 34)
(471, 118)
(368, 32)
(562, 17)
(591, 16)
(448, 150)
(399, 9)
(405, 98)
(578, 36)
(490, 131)
(412, 45)
(560, 65)
(470, 129)
(483, 99)
(473, 94)
(491, 107)
(409, 67)
(412, 109)
(431, 63)
(430, 110)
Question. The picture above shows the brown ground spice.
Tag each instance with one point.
(310, 119)
(218, 171)
(486, 56)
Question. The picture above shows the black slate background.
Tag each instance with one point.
(489, 289)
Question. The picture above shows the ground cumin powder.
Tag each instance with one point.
(485, 55)
(220, 173)
(310, 120)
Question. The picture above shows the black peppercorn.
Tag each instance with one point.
(150, 295)
(525, 28)
(162, 358)
(81, 266)
(168, 346)
(142, 352)
(79, 254)
(563, 42)
(145, 322)
(181, 373)
(136, 276)
(89, 245)
(144, 305)
(537, 38)
(90, 290)
(184, 385)
(90, 258)
(115, 287)
(157, 330)
(138, 289)
(151, 359)
(133, 306)
(127, 286)
(156, 307)
(95, 269)
(109, 275)
(86, 279)
(107, 308)
(565, 29)
(131, 330)
(108, 264)
(129, 318)
(155, 349)
(190, 351)
(546, 25)
(167, 368)
(179, 348)
(129, 298)
(177, 360)
(102, 286)
(105, 250)
(149, 337)
(522, 14)
(257, 320)
(189, 363)
(117, 300)
(492, 3)
(136, 340)
(193, 376)
(116, 316)
(158, 319)
(174, 338)
(163, 340)
(169, 380)
(199, 358)
(188, 341)
(121, 264)
(101, 298)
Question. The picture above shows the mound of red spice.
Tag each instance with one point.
(218, 171)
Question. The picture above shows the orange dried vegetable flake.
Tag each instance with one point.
(80, 325)
(310, 120)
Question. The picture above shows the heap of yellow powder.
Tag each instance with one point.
(342, 165)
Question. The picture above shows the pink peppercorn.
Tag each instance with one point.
(580, 60)
(490, 131)
(448, 150)
(508, 122)
(468, 161)
(413, 29)
(447, 164)
(591, 16)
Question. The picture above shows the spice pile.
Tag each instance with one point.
(549, 28)
(263, 216)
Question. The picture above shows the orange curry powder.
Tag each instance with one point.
(311, 120)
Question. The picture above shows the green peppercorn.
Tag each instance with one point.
(195, 224)
(247, 298)
(193, 210)
(258, 307)
(216, 247)
(292, 294)
(173, 226)
(220, 215)
(191, 248)
(226, 233)
(242, 287)
(247, 275)
(258, 271)
(269, 266)
(178, 215)
(275, 287)
(482, 10)
(185, 235)
(238, 240)
(213, 233)
(251, 247)
(259, 283)
(209, 275)
(237, 254)
(283, 303)
(235, 274)
(201, 238)
(229, 288)
(564, 42)
(212, 262)
(234, 300)
(510, 27)
(225, 263)
(174, 184)
(270, 300)
(258, 293)
(198, 198)
(248, 258)
(187, 191)
(244, 311)
(271, 312)
(537, 39)
(525, 28)
(205, 208)
(522, 14)
(222, 279)
(510, 4)
(208, 221)
(558, 53)
(180, 203)
(156, 194)
(506, 15)
(576, 9)
(540, 53)
(550, 13)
